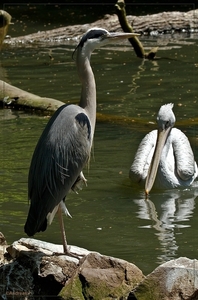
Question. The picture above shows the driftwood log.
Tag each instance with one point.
(166, 22)
(11, 96)
(14, 98)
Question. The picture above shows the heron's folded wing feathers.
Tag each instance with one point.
(62, 151)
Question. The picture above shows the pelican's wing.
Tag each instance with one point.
(142, 160)
(186, 166)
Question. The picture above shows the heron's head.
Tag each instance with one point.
(166, 117)
(97, 37)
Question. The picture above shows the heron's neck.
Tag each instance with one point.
(88, 92)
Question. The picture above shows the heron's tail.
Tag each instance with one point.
(32, 225)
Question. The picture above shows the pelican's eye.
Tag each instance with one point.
(167, 124)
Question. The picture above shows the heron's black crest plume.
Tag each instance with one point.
(91, 34)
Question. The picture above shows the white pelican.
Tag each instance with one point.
(164, 157)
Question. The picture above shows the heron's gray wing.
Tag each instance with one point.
(62, 151)
(186, 167)
(139, 168)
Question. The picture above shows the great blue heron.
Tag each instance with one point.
(164, 157)
(65, 144)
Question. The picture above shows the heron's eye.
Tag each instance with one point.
(103, 36)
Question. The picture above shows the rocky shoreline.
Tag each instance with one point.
(31, 269)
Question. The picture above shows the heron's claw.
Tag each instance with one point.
(78, 183)
(68, 253)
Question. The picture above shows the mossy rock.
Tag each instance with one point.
(102, 277)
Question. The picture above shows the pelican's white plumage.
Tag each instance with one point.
(164, 157)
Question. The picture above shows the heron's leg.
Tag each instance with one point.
(65, 246)
(63, 234)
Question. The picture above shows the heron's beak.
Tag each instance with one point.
(121, 35)
(161, 139)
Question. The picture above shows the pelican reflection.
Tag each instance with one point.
(168, 218)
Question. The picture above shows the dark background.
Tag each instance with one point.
(81, 12)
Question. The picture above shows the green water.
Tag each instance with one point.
(109, 215)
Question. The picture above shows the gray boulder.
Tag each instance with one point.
(174, 280)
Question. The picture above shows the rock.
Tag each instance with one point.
(2, 240)
(102, 277)
(3, 245)
(30, 244)
(173, 280)
(31, 267)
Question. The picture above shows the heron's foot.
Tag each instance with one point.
(68, 253)
(77, 186)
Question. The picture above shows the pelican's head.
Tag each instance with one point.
(165, 121)
(165, 117)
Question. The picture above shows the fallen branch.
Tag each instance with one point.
(13, 97)
(126, 27)
(16, 98)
